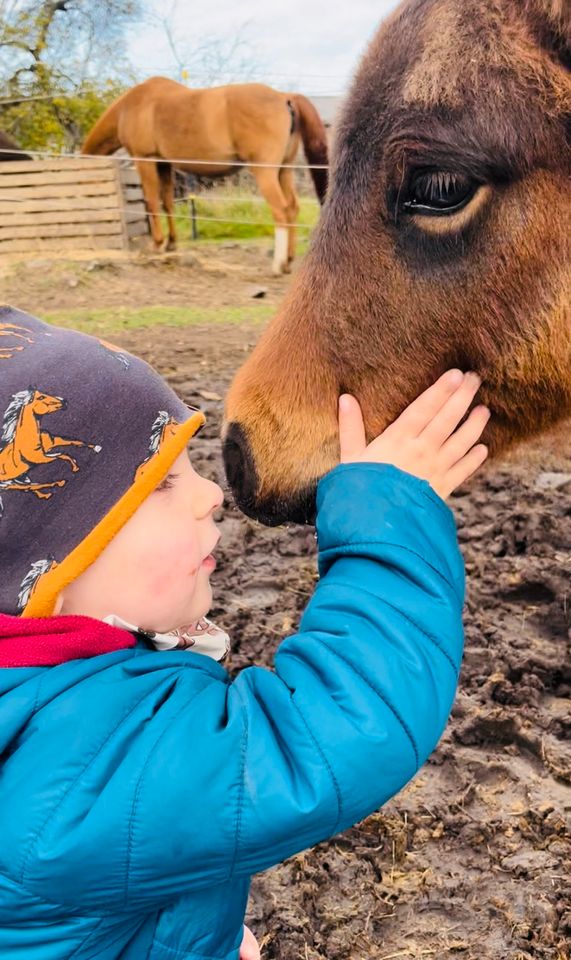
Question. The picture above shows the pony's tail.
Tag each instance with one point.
(102, 139)
(314, 138)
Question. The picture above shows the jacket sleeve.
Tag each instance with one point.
(233, 777)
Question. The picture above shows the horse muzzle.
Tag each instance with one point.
(244, 481)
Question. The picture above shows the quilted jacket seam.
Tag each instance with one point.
(37, 833)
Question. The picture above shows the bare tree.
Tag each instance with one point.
(63, 59)
(210, 60)
(59, 39)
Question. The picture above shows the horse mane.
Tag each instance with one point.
(12, 413)
(36, 571)
(157, 430)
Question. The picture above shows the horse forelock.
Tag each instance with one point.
(19, 400)
(507, 98)
(451, 63)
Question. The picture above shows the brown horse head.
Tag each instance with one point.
(444, 242)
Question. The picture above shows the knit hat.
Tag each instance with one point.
(87, 431)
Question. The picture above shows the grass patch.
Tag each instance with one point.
(114, 319)
(256, 219)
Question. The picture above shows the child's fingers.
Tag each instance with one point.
(352, 437)
(447, 419)
(464, 438)
(465, 468)
(423, 410)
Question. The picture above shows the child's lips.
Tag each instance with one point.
(210, 560)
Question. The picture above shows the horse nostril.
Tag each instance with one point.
(239, 465)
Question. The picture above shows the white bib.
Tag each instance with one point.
(201, 637)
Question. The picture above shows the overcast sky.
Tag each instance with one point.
(309, 45)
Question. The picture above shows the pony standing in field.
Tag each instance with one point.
(247, 123)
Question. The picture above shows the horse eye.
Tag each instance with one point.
(438, 193)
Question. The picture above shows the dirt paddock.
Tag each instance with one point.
(473, 859)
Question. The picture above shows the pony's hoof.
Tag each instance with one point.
(171, 245)
(280, 267)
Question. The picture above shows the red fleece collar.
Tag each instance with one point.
(45, 642)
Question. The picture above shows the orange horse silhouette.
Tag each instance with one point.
(17, 333)
(164, 427)
(24, 445)
(30, 582)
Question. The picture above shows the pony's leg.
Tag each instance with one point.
(151, 191)
(37, 488)
(269, 185)
(287, 182)
(8, 354)
(63, 456)
(166, 177)
(12, 333)
(48, 442)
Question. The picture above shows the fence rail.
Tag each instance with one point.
(62, 203)
(176, 161)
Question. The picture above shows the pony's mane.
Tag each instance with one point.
(157, 431)
(36, 571)
(12, 413)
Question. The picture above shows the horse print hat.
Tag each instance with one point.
(86, 433)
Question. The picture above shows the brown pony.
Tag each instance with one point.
(445, 241)
(24, 445)
(9, 149)
(246, 122)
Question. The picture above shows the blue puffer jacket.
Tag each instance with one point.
(140, 790)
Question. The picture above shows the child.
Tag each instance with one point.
(140, 789)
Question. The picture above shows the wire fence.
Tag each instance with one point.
(191, 217)
(175, 161)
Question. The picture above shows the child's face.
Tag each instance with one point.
(155, 572)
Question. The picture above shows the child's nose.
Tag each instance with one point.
(208, 497)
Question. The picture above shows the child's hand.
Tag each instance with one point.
(249, 949)
(424, 440)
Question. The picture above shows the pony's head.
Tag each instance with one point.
(444, 241)
(44, 403)
(39, 402)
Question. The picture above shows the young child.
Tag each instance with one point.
(140, 788)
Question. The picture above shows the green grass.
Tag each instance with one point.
(113, 319)
(241, 210)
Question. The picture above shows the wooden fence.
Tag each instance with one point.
(69, 203)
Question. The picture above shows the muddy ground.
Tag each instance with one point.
(473, 859)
